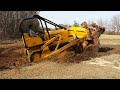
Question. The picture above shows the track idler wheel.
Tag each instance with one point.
(35, 57)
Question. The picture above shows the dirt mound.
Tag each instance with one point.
(71, 56)
(11, 55)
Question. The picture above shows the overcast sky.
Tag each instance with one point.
(68, 17)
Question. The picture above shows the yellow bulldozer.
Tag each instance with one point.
(42, 42)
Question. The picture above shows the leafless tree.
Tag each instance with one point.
(76, 24)
(64, 25)
(116, 23)
(9, 22)
(100, 22)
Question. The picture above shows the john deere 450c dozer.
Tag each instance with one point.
(52, 42)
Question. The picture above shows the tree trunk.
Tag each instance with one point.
(9, 22)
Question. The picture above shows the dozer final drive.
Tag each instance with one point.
(42, 42)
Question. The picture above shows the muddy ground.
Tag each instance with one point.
(89, 65)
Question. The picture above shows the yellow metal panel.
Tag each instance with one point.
(77, 28)
(45, 52)
(32, 41)
(78, 32)
(62, 32)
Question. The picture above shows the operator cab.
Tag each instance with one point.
(38, 25)
(31, 24)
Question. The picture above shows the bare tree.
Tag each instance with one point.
(76, 24)
(100, 22)
(64, 25)
(116, 23)
(108, 26)
(10, 20)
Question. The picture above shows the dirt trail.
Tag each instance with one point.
(10, 55)
(89, 65)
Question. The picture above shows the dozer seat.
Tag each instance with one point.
(32, 41)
